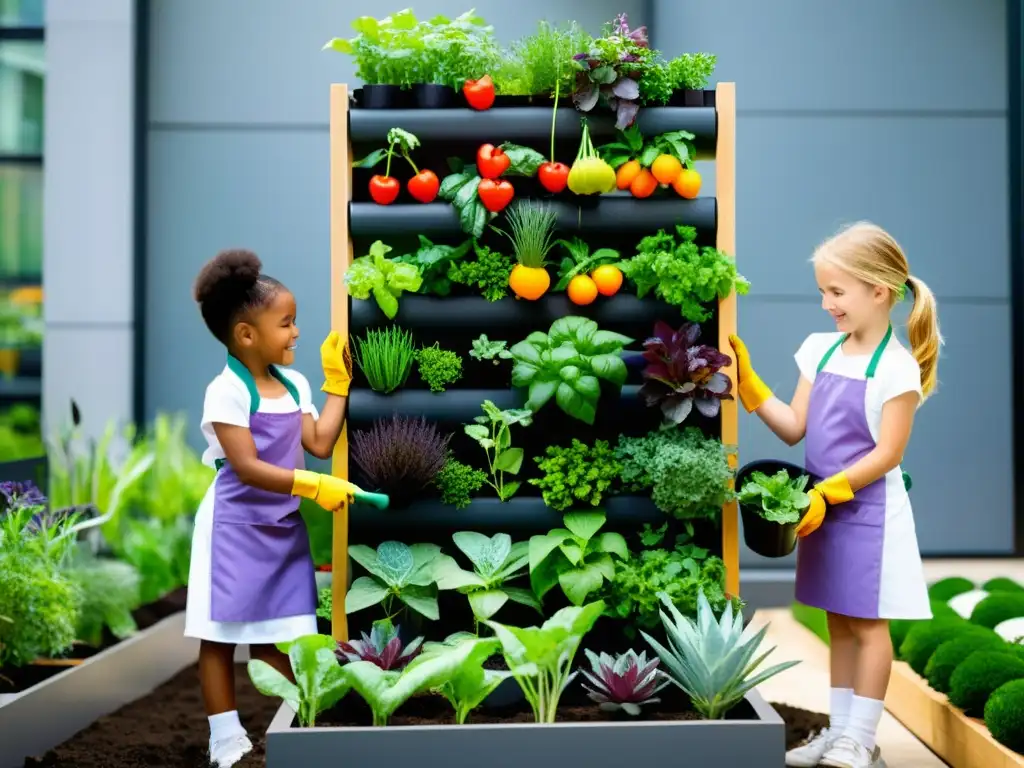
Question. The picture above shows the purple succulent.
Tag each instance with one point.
(626, 682)
(382, 647)
(681, 373)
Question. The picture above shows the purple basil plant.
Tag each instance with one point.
(681, 373)
(610, 72)
(382, 647)
(18, 495)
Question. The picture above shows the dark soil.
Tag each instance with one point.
(14, 679)
(169, 728)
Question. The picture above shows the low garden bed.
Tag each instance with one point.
(69, 698)
(169, 728)
(958, 680)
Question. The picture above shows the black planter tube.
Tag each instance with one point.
(518, 517)
(498, 318)
(610, 214)
(522, 124)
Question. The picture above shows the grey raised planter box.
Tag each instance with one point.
(45, 715)
(748, 743)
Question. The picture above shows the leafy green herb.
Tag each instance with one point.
(460, 188)
(325, 604)
(575, 557)
(683, 274)
(535, 64)
(458, 482)
(467, 688)
(577, 474)
(692, 71)
(540, 658)
(320, 682)
(406, 143)
(581, 261)
(651, 537)
(382, 277)
(382, 49)
(433, 262)
(386, 356)
(439, 367)
(628, 146)
(496, 560)
(485, 349)
(777, 498)
(492, 432)
(681, 573)
(688, 473)
(566, 363)
(656, 84)
(488, 272)
(397, 571)
(386, 690)
(452, 50)
(160, 550)
(110, 592)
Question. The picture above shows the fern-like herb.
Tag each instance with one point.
(488, 272)
(386, 357)
(439, 367)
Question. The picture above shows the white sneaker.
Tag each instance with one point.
(228, 751)
(849, 753)
(809, 754)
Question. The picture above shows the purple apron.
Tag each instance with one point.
(839, 566)
(261, 567)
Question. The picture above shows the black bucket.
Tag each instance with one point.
(433, 96)
(762, 536)
(380, 97)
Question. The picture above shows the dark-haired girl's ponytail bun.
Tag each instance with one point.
(228, 271)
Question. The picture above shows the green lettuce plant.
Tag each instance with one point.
(470, 683)
(396, 572)
(492, 433)
(320, 682)
(540, 658)
(567, 363)
(496, 561)
(383, 278)
(575, 557)
(777, 498)
(383, 49)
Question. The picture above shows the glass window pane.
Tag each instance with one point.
(21, 222)
(22, 78)
(22, 13)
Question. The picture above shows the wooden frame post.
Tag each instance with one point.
(341, 257)
(725, 240)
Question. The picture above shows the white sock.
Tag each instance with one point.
(224, 726)
(839, 708)
(863, 723)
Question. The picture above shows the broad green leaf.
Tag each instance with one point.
(371, 159)
(526, 352)
(486, 603)
(395, 562)
(452, 183)
(449, 575)
(576, 620)
(386, 300)
(543, 545)
(421, 599)
(486, 553)
(523, 597)
(517, 559)
(524, 161)
(540, 393)
(575, 404)
(609, 367)
(604, 342)
(270, 682)
(573, 552)
(339, 44)
(509, 489)
(523, 374)
(466, 193)
(477, 431)
(423, 557)
(580, 582)
(572, 328)
(544, 576)
(613, 544)
(566, 354)
(588, 386)
(366, 557)
(364, 593)
(603, 562)
(584, 524)
(510, 460)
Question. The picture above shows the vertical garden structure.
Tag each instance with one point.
(454, 322)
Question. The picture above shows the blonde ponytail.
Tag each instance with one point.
(923, 333)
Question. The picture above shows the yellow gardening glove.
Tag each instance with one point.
(752, 391)
(337, 363)
(331, 492)
(834, 490)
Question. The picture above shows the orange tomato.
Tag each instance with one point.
(687, 183)
(582, 290)
(626, 173)
(666, 168)
(644, 184)
(529, 282)
(607, 278)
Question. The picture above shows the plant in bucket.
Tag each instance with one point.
(772, 499)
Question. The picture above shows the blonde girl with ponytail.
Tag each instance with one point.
(857, 394)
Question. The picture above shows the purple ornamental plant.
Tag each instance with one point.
(627, 682)
(382, 647)
(610, 71)
(681, 373)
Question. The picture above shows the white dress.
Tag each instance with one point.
(903, 592)
(227, 402)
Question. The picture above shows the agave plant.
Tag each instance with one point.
(710, 660)
(382, 647)
(626, 682)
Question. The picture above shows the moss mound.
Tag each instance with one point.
(1004, 715)
(1002, 584)
(997, 608)
(923, 639)
(898, 628)
(949, 655)
(979, 675)
(945, 589)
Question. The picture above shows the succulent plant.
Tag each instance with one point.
(382, 647)
(627, 681)
(710, 660)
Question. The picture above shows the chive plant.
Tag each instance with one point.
(386, 357)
